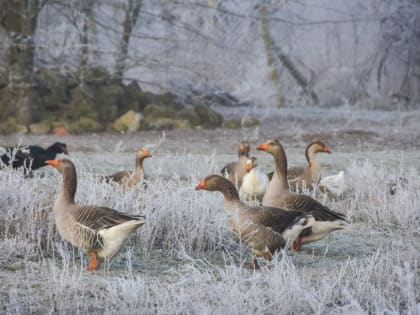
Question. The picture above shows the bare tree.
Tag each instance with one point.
(132, 11)
(19, 20)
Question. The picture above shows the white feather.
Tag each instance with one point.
(115, 237)
(321, 229)
(292, 232)
(254, 184)
(334, 184)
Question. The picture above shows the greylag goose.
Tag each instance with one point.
(263, 229)
(279, 196)
(100, 231)
(235, 171)
(301, 177)
(128, 179)
(255, 181)
(32, 157)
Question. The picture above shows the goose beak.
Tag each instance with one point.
(327, 149)
(147, 153)
(53, 163)
(263, 147)
(201, 185)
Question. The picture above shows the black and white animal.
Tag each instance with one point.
(31, 157)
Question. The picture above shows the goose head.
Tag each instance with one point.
(143, 153)
(270, 146)
(221, 184)
(243, 149)
(318, 146)
(251, 163)
(61, 164)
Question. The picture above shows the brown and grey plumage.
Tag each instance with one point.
(128, 179)
(301, 177)
(263, 229)
(235, 171)
(100, 231)
(278, 195)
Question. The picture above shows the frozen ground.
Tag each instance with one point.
(184, 259)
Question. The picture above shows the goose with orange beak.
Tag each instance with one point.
(279, 196)
(100, 231)
(128, 179)
(307, 177)
(263, 229)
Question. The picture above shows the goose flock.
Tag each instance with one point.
(267, 212)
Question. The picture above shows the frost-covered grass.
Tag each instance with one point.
(184, 260)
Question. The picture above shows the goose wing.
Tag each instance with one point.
(118, 177)
(304, 203)
(275, 218)
(98, 218)
(294, 173)
(229, 169)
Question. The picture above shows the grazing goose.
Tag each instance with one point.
(278, 195)
(254, 183)
(100, 231)
(128, 179)
(32, 157)
(235, 171)
(263, 229)
(301, 177)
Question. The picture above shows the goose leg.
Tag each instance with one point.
(94, 262)
(268, 257)
(253, 265)
(297, 244)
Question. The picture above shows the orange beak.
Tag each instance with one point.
(248, 167)
(201, 185)
(326, 149)
(263, 147)
(147, 153)
(53, 163)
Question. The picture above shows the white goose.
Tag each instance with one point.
(254, 183)
(334, 184)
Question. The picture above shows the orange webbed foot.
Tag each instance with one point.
(94, 262)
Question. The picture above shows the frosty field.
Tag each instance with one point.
(184, 259)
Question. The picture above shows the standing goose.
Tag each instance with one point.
(255, 181)
(100, 231)
(128, 179)
(301, 177)
(263, 229)
(235, 171)
(278, 195)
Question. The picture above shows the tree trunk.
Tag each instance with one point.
(131, 15)
(273, 74)
(19, 20)
(88, 24)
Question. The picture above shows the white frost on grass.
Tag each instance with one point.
(184, 259)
